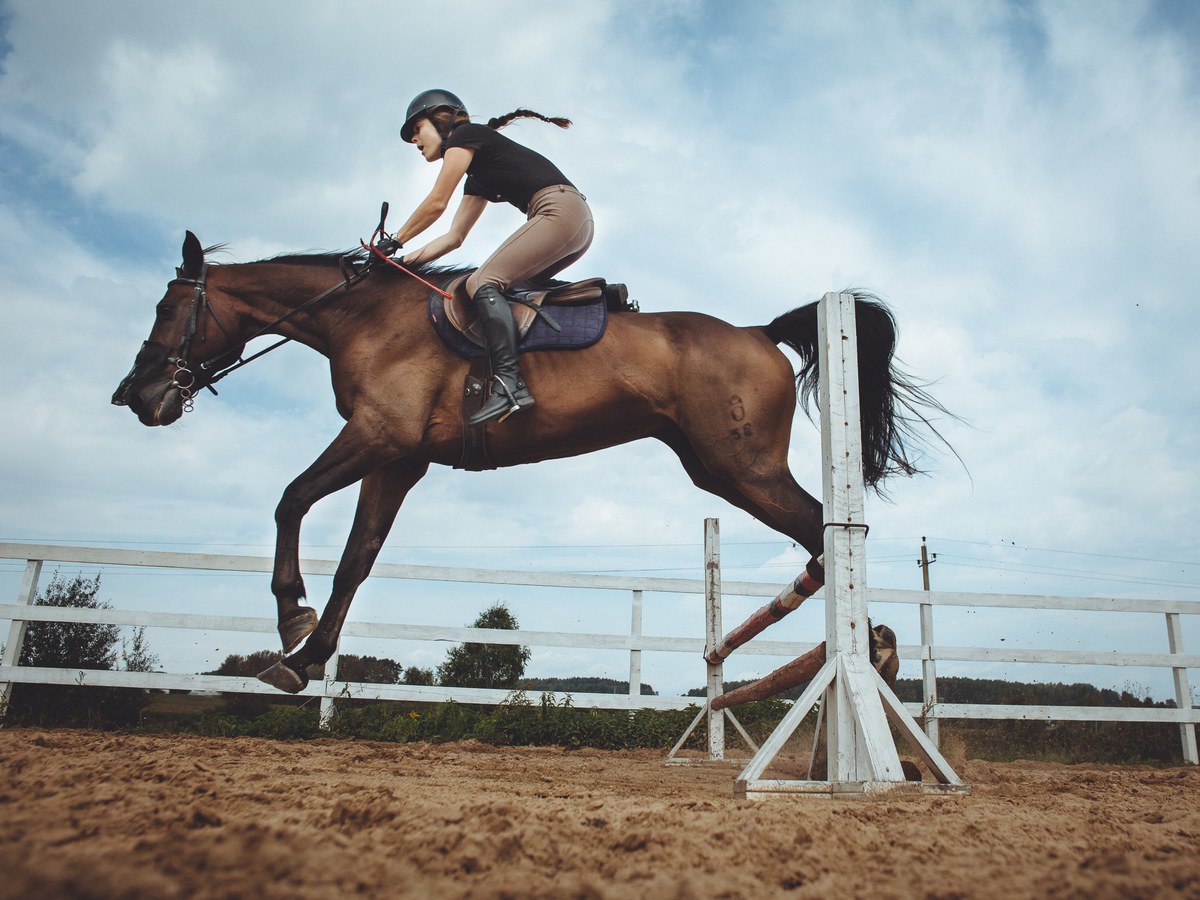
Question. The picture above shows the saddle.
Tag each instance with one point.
(577, 319)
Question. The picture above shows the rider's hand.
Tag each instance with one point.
(387, 246)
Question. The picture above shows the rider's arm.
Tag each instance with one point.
(468, 213)
(454, 167)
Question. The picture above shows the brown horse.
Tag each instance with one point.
(721, 397)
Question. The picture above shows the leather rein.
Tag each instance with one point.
(184, 379)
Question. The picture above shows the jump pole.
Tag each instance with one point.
(856, 703)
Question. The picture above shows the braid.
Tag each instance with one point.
(501, 121)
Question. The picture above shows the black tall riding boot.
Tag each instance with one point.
(509, 392)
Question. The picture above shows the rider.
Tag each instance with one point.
(557, 231)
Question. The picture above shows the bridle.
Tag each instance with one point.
(184, 379)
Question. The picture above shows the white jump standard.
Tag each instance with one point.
(857, 704)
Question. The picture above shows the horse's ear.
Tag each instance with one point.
(193, 254)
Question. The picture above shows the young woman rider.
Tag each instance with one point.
(557, 231)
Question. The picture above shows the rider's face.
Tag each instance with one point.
(427, 139)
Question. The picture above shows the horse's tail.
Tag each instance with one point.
(895, 409)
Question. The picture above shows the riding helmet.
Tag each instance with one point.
(423, 103)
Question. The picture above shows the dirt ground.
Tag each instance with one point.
(94, 814)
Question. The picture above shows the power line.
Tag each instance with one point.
(1013, 546)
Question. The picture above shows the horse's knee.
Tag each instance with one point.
(291, 507)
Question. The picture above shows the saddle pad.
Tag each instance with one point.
(582, 325)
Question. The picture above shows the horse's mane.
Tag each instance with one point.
(333, 258)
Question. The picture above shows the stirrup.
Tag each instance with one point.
(516, 398)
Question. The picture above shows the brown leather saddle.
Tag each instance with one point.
(528, 306)
(548, 317)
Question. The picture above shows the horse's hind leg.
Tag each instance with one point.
(380, 496)
(765, 488)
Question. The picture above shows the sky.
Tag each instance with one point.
(1019, 181)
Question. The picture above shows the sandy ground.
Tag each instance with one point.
(92, 814)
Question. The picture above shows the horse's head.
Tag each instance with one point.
(177, 359)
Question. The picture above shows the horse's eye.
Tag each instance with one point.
(164, 311)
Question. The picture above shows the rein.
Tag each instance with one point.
(184, 379)
(349, 279)
(387, 259)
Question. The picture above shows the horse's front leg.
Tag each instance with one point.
(349, 458)
(380, 495)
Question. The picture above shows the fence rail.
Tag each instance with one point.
(22, 612)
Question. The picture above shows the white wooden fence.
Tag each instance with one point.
(22, 611)
(931, 710)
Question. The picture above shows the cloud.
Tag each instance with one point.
(1018, 181)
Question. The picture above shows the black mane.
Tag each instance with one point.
(332, 258)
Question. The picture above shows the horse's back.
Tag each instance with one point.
(662, 366)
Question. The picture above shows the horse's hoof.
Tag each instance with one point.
(285, 678)
(294, 630)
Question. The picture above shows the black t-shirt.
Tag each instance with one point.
(502, 170)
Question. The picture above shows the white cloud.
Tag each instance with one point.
(1019, 182)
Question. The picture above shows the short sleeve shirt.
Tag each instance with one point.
(503, 171)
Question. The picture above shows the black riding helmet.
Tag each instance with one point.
(426, 102)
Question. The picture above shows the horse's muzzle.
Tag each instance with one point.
(120, 396)
(150, 358)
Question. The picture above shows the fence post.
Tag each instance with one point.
(16, 631)
(328, 707)
(716, 673)
(635, 655)
(1183, 693)
(929, 696)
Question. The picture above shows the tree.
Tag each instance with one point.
(351, 667)
(75, 645)
(249, 665)
(417, 675)
(486, 665)
(369, 669)
(78, 645)
(136, 655)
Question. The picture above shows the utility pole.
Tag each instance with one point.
(925, 563)
(928, 666)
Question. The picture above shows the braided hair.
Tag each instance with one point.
(500, 121)
(446, 119)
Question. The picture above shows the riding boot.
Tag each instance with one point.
(509, 392)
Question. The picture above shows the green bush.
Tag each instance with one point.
(83, 647)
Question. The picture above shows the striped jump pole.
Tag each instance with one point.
(808, 583)
(786, 677)
(803, 668)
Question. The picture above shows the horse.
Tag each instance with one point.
(721, 397)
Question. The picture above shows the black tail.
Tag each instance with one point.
(895, 409)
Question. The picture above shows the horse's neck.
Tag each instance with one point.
(279, 298)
